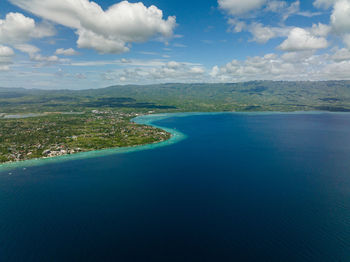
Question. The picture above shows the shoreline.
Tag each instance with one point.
(149, 120)
(176, 136)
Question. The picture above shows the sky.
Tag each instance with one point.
(80, 44)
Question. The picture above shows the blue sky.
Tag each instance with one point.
(76, 44)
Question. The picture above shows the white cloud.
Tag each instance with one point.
(295, 57)
(215, 71)
(35, 56)
(247, 8)
(6, 51)
(320, 29)
(336, 71)
(172, 71)
(107, 31)
(6, 54)
(90, 40)
(340, 18)
(300, 39)
(309, 14)
(294, 8)
(347, 40)
(173, 65)
(276, 6)
(267, 67)
(300, 65)
(290, 66)
(324, 3)
(17, 28)
(28, 49)
(239, 7)
(66, 52)
(122, 62)
(262, 34)
(285, 10)
(236, 25)
(45, 59)
(197, 70)
(341, 55)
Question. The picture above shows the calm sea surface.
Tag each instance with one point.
(241, 187)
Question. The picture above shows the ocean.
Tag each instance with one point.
(228, 187)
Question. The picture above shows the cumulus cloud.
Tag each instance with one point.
(296, 57)
(300, 65)
(269, 66)
(107, 31)
(66, 52)
(17, 28)
(238, 7)
(28, 49)
(6, 54)
(172, 71)
(45, 59)
(290, 66)
(300, 39)
(320, 29)
(340, 18)
(341, 55)
(35, 56)
(6, 51)
(262, 34)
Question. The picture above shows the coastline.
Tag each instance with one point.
(176, 136)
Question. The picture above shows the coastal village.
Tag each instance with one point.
(58, 134)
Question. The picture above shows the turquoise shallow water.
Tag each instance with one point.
(146, 119)
(239, 187)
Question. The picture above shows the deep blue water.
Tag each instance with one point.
(240, 188)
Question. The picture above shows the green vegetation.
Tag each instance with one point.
(249, 96)
(66, 122)
(60, 134)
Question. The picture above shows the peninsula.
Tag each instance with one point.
(57, 134)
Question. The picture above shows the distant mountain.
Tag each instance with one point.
(248, 96)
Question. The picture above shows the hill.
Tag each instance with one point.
(248, 96)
